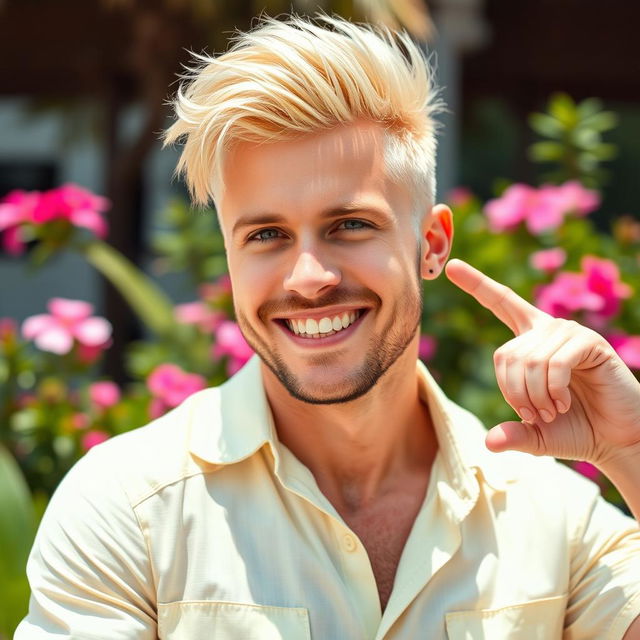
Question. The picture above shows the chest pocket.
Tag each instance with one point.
(231, 621)
(535, 620)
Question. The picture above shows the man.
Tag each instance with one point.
(330, 490)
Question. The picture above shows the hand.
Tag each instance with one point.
(575, 396)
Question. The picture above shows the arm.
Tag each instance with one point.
(89, 569)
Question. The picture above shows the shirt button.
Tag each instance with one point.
(350, 543)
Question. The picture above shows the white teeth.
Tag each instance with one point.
(325, 325)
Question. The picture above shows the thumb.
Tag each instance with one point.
(515, 436)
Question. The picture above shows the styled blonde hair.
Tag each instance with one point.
(287, 78)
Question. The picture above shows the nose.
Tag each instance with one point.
(309, 277)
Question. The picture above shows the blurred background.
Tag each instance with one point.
(540, 92)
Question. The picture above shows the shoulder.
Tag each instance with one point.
(144, 460)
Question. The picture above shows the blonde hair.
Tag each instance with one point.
(287, 78)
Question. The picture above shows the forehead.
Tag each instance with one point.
(330, 168)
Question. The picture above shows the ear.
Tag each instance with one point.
(437, 236)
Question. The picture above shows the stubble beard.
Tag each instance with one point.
(383, 351)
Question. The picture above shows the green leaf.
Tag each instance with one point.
(589, 107)
(585, 138)
(147, 300)
(603, 121)
(545, 125)
(563, 108)
(546, 151)
(605, 151)
(17, 529)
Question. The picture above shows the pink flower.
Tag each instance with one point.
(231, 343)
(199, 314)
(427, 347)
(547, 210)
(597, 290)
(627, 347)
(16, 208)
(603, 278)
(587, 470)
(567, 294)
(541, 209)
(170, 385)
(71, 202)
(68, 320)
(104, 394)
(548, 259)
(511, 208)
(577, 199)
(92, 438)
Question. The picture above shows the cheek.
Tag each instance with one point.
(252, 281)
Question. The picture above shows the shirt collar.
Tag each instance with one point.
(232, 422)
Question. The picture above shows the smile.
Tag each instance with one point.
(322, 327)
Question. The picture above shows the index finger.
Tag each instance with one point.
(503, 302)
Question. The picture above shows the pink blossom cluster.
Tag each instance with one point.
(199, 314)
(230, 343)
(597, 293)
(548, 260)
(170, 385)
(627, 347)
(541, 209)
(93, 438)
(596, 290)
(20, 209)
(69, 323)
(427, 347)
(104, 394)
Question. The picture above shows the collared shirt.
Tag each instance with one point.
(203, 525)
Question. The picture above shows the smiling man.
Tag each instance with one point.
(330, 490)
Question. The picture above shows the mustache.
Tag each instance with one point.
(295, 302)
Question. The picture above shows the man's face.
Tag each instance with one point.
(323, 259)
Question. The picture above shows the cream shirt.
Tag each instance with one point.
(202, 525)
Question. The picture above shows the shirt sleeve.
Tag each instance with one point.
(89, 568)
(604, 591)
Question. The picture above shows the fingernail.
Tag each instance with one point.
(560, 407)
(525, 414)
(545, 415)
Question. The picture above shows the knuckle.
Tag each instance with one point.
(533, 363)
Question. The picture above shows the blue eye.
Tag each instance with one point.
(353, 225)
(265, 235)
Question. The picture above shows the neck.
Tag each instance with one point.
(359, 451)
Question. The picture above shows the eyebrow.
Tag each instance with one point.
(266, 217)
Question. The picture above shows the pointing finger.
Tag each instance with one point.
(504, 303)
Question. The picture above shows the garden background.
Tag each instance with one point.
(114, 302)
